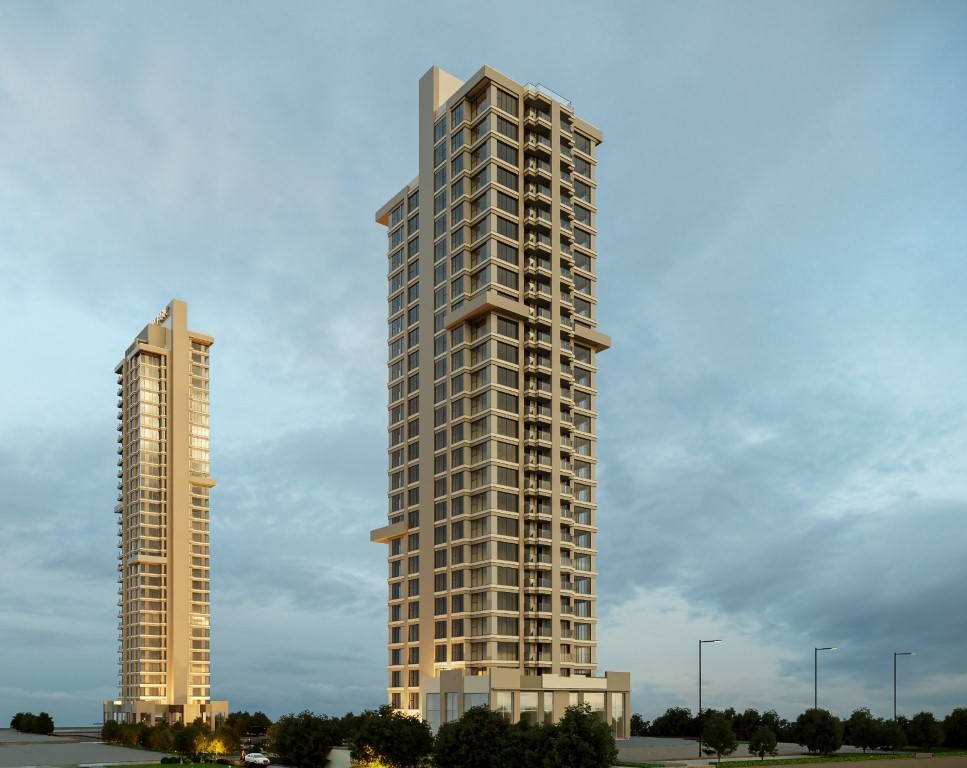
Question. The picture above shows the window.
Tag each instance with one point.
(506, 153)
(506, 101)
(440, 129)
(439, 179)
(456, 115)
(507, 278)
(507, 128)
(506, 253)
(506, 228)
(506, 177)
(582, 143)
(396, 216)
(507, 502)
(439, 154)
(507, 203)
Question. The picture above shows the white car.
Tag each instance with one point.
(256, 758)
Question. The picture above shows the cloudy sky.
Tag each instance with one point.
(783, 265)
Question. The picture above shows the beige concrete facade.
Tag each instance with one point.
(493, 343)
(164, 486)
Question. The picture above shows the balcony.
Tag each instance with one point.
(538, 241)
(537, 363)
(537, 192)
(535, 167)
(536, 143)
(537, 266)
(537, 388)
(534, 438)
(538, 217)
(535, 116)
(538, 412)
(538, 607)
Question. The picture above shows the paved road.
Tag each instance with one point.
(645, 749)
(28, 749)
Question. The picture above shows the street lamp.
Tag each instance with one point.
(895, 654)
(816, 673)
(700, 644)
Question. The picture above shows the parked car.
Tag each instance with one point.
(256, 758)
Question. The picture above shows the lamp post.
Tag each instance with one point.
(816, 673)
(700, 644)
(895, 654)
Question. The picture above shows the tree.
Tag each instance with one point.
(762, 742)
(675, 723)
(473, 741)
(924, 731)
(863, 729)
(25, 722)
(109, 731)
(185, 739)
(776, 724)
(639, 726)
(746, 724)
(818, 731)
(302, 740)
(525, 745)
(159, 737)
(44, 724)
(395, 739)
(718, 738)
(892, 736)
(955, 728)
(580, 740)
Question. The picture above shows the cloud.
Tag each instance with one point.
(781, 269)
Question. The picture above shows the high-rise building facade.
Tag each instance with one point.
(493, 343)
(164, 486)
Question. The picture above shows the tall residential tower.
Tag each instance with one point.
(492, 385)
(164, 484)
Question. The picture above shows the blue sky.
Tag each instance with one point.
(783, 255)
